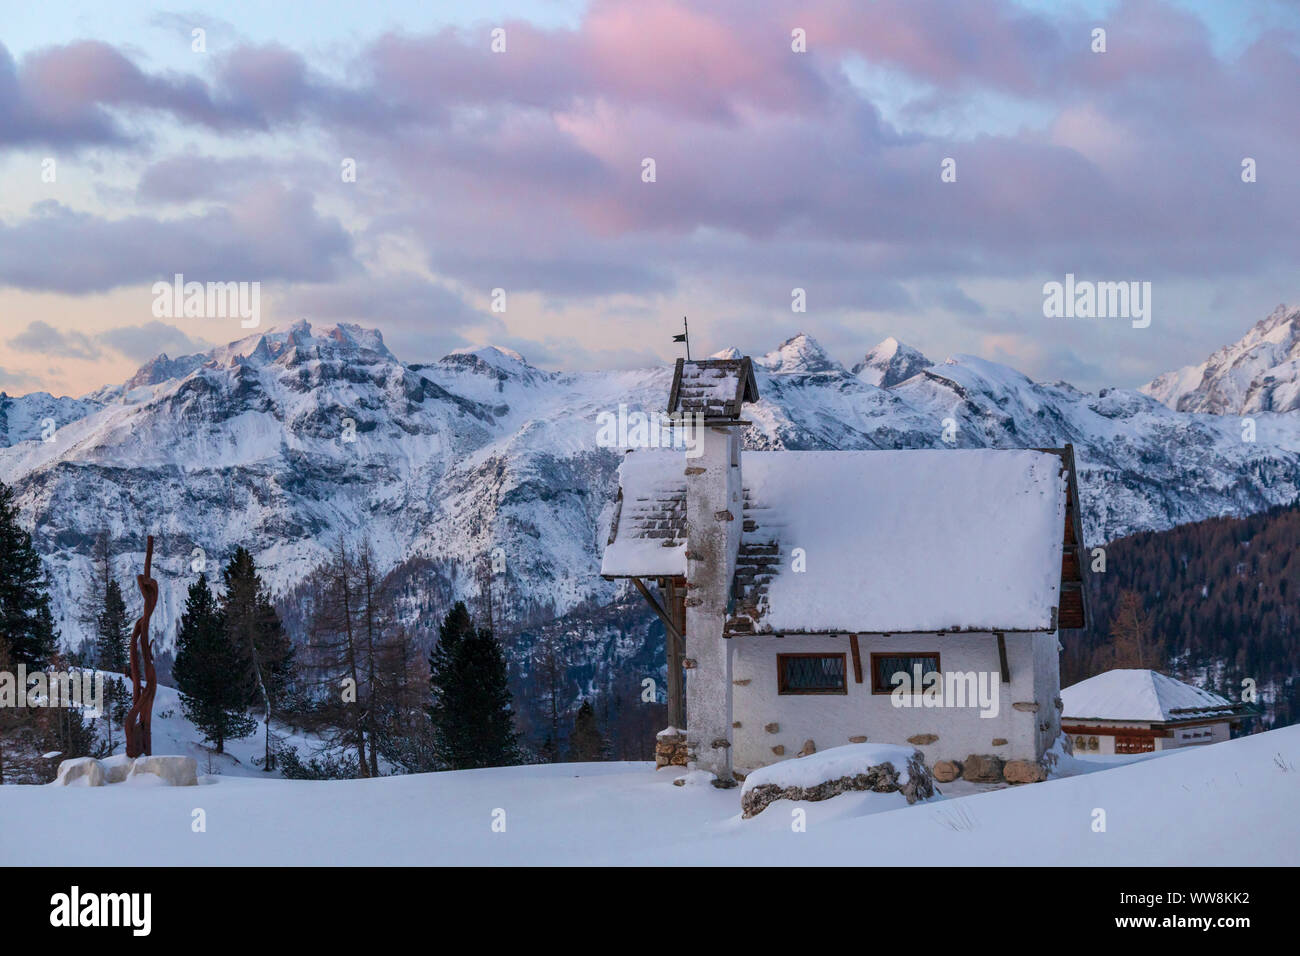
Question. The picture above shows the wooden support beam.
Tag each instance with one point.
(674, 622)
(674, 645)
(1002, 658)
(669, 625)
(857, 658)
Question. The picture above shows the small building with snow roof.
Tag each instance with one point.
(821, 598)
(1131, 711)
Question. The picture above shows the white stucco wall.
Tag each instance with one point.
(831, 719)
(1046, 649)
(1218, 733)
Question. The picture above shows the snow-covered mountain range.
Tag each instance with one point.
(1260, 373)
(284, 441)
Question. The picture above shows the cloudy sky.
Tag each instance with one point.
(523, 170)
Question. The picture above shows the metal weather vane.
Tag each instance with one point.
(685, 338)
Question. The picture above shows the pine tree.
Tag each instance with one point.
(473, 722)
(206, 670)
(253, 627)
(586, 743)
(444, 681)
(14, 721)
(112, 650)
(113, 632)
(25, 617)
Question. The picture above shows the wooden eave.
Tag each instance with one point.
(1075, 609)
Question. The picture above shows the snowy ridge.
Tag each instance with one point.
(1259, 373)
(481, 450)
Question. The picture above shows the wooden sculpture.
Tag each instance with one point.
(139, 719)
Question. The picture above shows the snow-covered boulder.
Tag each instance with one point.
(116, 768)
(175, 771)
(882, 768)
(80, 772)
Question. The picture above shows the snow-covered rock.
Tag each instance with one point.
(172, 770)
(116, 768)
(879, 768)
(80, 772)
(162, 769)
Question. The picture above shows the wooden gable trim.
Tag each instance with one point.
(748, 383)
(677, 385)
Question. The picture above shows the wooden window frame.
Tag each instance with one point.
(1134, 744)
(780, 674)
(889, 690)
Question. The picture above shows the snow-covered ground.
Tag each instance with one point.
(1230, 803)
(173, 734)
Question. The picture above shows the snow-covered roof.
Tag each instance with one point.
(648, 534)
(1140, 695)
(892, 541)
(715, 388)
(895, 541)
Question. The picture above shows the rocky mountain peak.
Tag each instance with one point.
(1258, 373)
(889, 363)
(801, 353)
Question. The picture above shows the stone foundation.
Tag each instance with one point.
(990, 768)
(670, 750)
